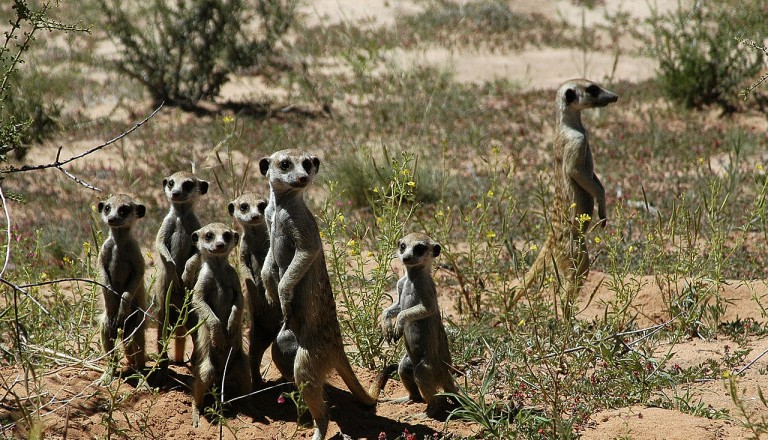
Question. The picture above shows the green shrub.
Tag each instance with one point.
(183, 51)
(699, 64)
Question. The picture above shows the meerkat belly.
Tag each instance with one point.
(180, 245)
(419, 338)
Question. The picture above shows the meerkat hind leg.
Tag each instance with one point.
(309, 376)
(406, 371)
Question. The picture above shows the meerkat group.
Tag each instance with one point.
(290, 299)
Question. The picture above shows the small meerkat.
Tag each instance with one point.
(303, 285)
(121, 268)
(175, 247)
(577, 188)
(217, 302)
(248, 210)
(426, 365)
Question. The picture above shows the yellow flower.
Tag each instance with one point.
(534, 247)
(322, 234)
(495, 149)
(490, 234)
(228, 119)
(701, 160)
(411, 183)
(439, 213)
(351, 243)
(87, 247)
(583, 218)
(376, 190)
(759, 167)
(489, 193)
(521, 323)
(573, 205)
(340, 218)
(597, 240)
(405, 172)
(726, 374)
(479, 205)
(43, 276)
(631, 249)
(369, 254)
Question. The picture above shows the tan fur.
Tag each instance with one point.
(121, 268)
(425, 367)
(175, 249)
(302, 284)
(248, 210)
(577, 188)
(217, 302)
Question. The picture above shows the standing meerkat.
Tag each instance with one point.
(303, 285)
(175, 248)
(248, 210)
(426, 365)
(217, 302)
(577, 188)
(121, 269)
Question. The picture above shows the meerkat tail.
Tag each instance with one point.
(353, 384)
(537, 269)
(381, 380)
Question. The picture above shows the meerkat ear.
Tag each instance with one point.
(316, 163)
(570, 96)
(235, 238)
(165, 182)
(231, 208)
(141, 210)
(203, 186)
(195, 237)
(264, 165)
(436, 250)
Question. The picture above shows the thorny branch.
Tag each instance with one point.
(58, 163)
(762, 79)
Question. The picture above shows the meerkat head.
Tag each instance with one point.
(120, 211)
(248, 209)
(215, 240)
(580, 94)
(184, 187)
(417, 250)
(289, 169)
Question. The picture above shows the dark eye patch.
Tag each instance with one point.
(124, 211)
(227, 236)
(243, 207)
(402, 247)
(188, 186)
(171, 183)
(285, 164)
(262, 206)
(307, 165)
(593, 90)
(419, 249)
(209, 236)
(107, 209)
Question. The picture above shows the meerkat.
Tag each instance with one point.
(217, 302)
(176, 249)
(426, 365)
(303, 285)
(121, 269)
(248, 210)
(577, 188)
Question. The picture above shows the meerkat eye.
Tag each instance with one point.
(593, 90)
(307, 165)
(170, 184)
(402, 247)
(107, 209)
(209, 236)
(123, 211)
(419, 249)
(227, 236)
(188, 185)
(285, 164)
(243, 207)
